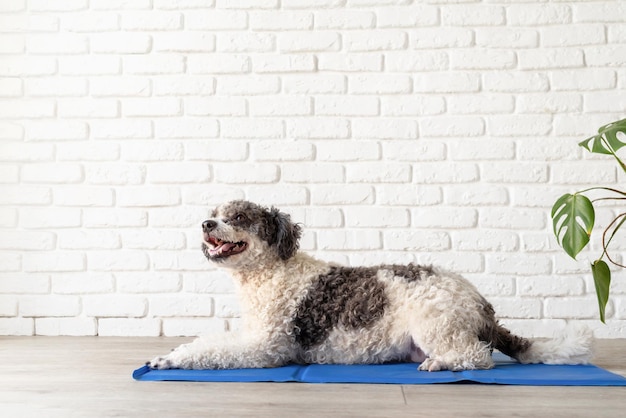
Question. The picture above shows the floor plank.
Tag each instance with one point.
(91, 377)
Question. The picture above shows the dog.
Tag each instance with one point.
(297, 309)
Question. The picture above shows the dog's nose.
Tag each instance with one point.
(208, 225)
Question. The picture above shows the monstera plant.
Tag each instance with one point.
(573, 215)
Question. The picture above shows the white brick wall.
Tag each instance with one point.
(395, 131)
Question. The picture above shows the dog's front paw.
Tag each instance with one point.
(179, 358)
(161, 363)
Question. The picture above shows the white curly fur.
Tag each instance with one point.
(435, 320)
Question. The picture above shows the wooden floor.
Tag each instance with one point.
(91, 377)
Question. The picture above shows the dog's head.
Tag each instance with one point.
(240, 232)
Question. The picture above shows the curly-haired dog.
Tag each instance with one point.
(299, 309)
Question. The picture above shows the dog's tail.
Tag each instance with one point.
(575, 346)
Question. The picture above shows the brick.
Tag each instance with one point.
(238, 42)
(50, 218)
(407, 17)
(11, 131)
(121, 128)
(519, 125)
(27, 240)
(493, 285)
(515, 172)
(364, 41)
(446, 83)
(408, 195)
(120, 218)
(292, 63)
(129, 327)
(52, 173)
(148, 282)
(482, 59)
(573, 308)
(283, 106)
(249, 85)
(153, 240)
(476, 195)
(8, 217)
(444, 217)
(538, 14)
(489, 37)
(181, 305)
(27, 108)
(379, 84)
(216, 20)
(312, 4)
(513, 219)
(280, 195)
(175, 173)
(419, 61)
(186, 128)
(570, 173)
(53, 262)
(115, 174)
(550, 58)
(317, 84)
(177, 217)
(26, 23)
(11, 262)
(218, 64)
(606, 102)
(485, 240)
(8, 306)
(57, 5)
(14, 6)
(572, 35)
(349, 240)
(184, 42)
(17, 326)
(24, 283)
(88, 108)
(452, 126)
(516, 82)
(606, 11)
(579, 125)
(89, 21)
(25, 195)
(191, 327)
(481, 103)
(95, 65)
(151, 151)
(461, 263)
(60, 44)
(153, 21)
(516, 307)
(376, 217)
(217, 150)
(215, 106)
(282, 151)
(348, 150)
(29, 152)
(551, 286)
(319, 217)
(247, 4)
(65, 326)
(312, 173)
(341, 194)
(49, 305)
(114, 306)
(384, 128)
(318, 128)
(120, 87)
(80, 283)
(344, 19)
(552, 103)
(120, 4)
(182, 4)
(253, 173)
(279, 20)
(443, 37)
(151, 107)
(416, 241)
(346, 106)
(318, 41)
(154, 64)
(56, 87)
(87, 151)
(90, 240)
(12, 44)
(364, 62)
(442, 173)
(83, 196)
(9, 173)
(251, 128)
(379, 173)
(117, 260)
(605, 56)
(148, 196)
(583, 79)
(11, 87)
(412, 105)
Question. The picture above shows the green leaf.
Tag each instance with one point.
(606, 141)
(602, 280)
(573, 217)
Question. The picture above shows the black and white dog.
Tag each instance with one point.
(297, 309)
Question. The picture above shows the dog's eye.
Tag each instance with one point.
(239, 217)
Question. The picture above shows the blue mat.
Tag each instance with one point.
(506, 372)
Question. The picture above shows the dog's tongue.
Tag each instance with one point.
(227, 247)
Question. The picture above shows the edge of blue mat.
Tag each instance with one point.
(506, 372)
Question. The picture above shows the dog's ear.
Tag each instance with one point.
(286, 234)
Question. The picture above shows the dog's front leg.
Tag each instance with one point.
(224, 351)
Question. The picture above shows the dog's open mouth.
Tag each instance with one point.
(220, 249)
